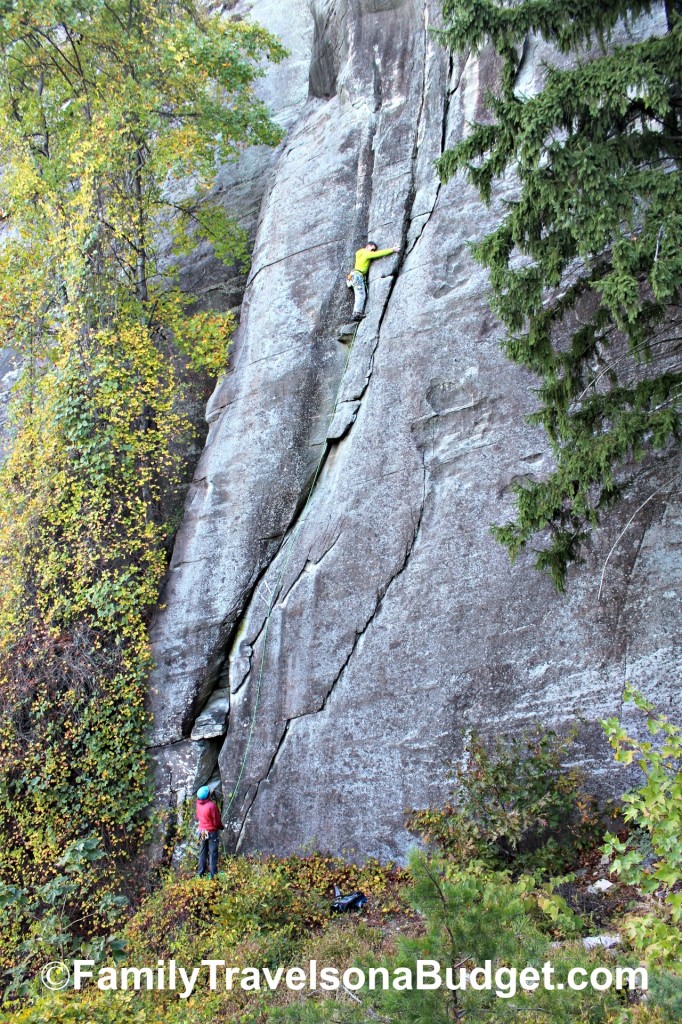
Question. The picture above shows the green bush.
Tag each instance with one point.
(516, 805)
(260, 912)
(651, 856)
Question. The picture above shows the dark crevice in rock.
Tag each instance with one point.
(266, 599)
(422, 102)
(233, 624)
(208, 768)
(451, 90)
(377, 84)
(171, 743)
(526, 53)
(234, 621)
(234, 690)
(283, 595)
(407, 216)
(325, 552)
(380, 597)
(325, 60)
(186, 561)
(215, 673)
(253, 642)
(281, 600)
(218, 670)
(443, 141)
(365, 188)
(364, 182)
(365, 172)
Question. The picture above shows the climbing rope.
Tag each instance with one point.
(291, 543)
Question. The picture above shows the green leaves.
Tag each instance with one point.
(651, 858)
(567, 23)
(114, 117)
(514, 805)
(107, 113)
(586, 266)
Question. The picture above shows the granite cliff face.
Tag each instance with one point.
(397, 623)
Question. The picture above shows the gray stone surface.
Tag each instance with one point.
(240, 186)
(397, 624)
(10, 369)
(212, 722)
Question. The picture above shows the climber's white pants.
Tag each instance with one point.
(360, 289)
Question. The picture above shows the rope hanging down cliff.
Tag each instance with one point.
(275, 593)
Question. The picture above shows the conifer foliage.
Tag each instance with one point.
(586, 264)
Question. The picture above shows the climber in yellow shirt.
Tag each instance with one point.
(357, 279)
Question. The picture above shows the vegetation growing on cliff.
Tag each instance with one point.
(586, 264)
(107, 110)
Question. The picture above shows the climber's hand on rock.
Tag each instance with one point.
(396, 248)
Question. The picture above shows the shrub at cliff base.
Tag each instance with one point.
(515, 805)
(258, 912)
(651, 856)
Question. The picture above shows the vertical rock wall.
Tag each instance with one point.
(396, 622)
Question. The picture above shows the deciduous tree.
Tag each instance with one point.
(114, 115)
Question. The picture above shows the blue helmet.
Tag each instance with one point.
(203, 793)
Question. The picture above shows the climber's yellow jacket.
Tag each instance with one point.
(363, 257)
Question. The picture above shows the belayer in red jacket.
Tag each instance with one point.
(210, 827)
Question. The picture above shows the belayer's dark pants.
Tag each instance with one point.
(209, 849)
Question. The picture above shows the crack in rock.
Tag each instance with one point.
(290, 255)
(360, 634)
(443, 142)
(406, 221)
(240, 617)
(270, 768)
